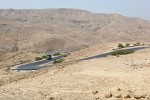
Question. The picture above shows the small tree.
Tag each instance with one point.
(138, 43)
(121, 46)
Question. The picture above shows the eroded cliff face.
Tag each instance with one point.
(65, 29)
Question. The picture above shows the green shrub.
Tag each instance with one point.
(58, 61)
(56, 54)
(44, 56)
(121, 46)
(121, 52)
(64, 55)
(38, 58)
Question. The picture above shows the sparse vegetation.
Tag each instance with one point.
(122, 52)
(56, 54)
(137, 44)
(64, 55)
(121, 46)
(38, 58)
(44, 57)
(127, 44)
(58, 61)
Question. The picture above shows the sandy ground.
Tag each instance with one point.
(113, 78)
(11, 59)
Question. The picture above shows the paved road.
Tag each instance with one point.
(109, 53)
(36, 65)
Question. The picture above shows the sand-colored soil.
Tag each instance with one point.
(11, 59)
(66, 29)
(113, 78)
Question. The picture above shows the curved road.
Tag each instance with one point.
(36, 65)
(109, 53)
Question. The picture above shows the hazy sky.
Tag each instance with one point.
(133, 8)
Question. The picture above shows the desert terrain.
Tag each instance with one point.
(65, 29)
(113, 78)
(27, 34)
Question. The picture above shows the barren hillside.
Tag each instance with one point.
(65, 29)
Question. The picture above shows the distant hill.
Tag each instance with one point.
(65, 29)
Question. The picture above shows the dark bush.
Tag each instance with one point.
(64, 55)
(58, 61)
(137, 44)
(44, 56)
(56, 54)
(121, 46)
(38, 58)
(121, 52)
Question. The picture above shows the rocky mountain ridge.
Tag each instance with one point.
(65, 29)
